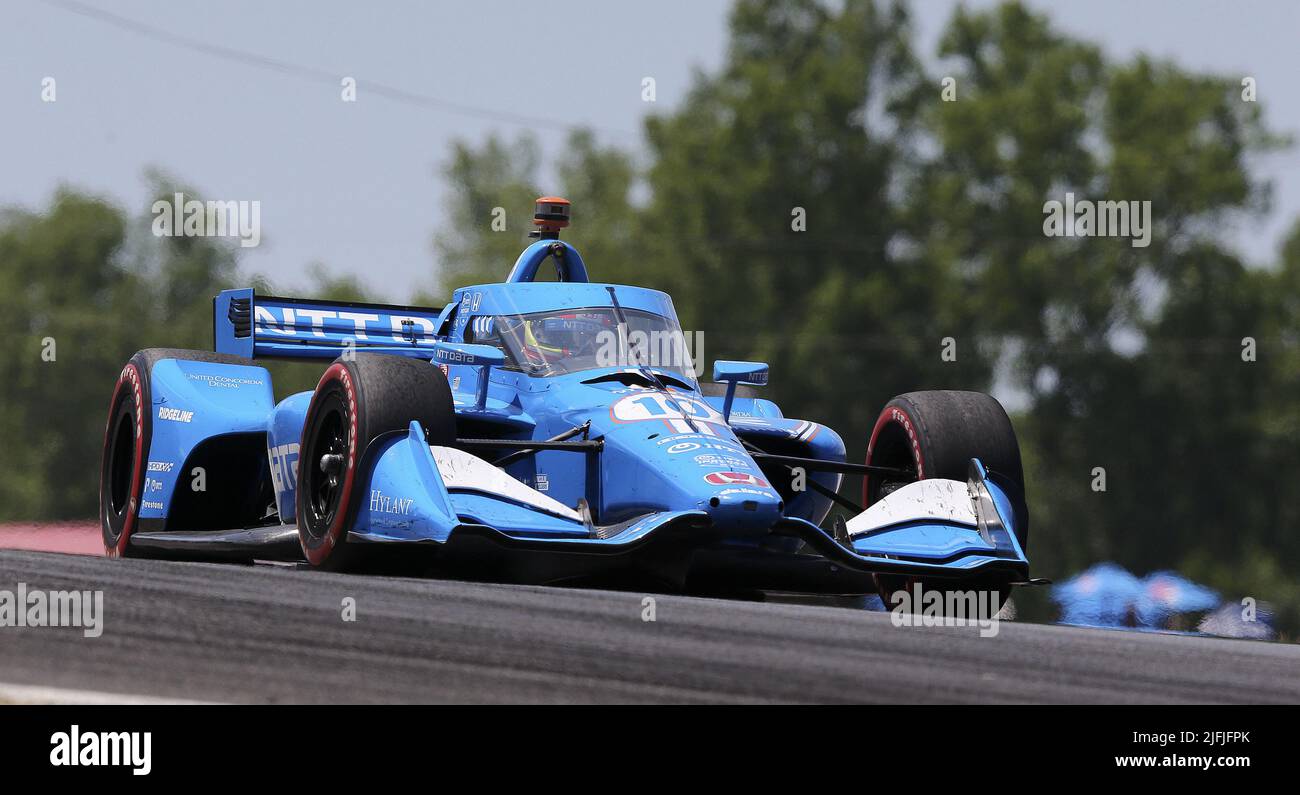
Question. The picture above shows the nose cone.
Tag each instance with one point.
(741, 501)
(674, 452)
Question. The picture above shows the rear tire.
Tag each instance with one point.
(935, 434)
(355, 403)
(126, 444)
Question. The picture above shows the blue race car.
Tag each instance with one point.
(543, 432)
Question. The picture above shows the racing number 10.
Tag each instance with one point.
(661, 406)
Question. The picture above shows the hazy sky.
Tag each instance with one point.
(356, 186)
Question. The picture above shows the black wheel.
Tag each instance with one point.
(935, 434)
(126, 444)
(356, 402)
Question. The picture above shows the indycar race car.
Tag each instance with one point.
(536, 431)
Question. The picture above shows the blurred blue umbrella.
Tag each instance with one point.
(1166, 594)
(1102, 596)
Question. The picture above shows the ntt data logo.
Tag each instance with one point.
(75, 748)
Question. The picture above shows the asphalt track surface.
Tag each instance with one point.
(232, 633)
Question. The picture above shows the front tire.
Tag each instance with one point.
(935, 434)
(356, 402)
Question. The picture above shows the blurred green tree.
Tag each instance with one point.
(82, 288)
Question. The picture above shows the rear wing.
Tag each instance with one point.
(263, 326)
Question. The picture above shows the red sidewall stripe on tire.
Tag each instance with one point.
(893, 415)
(318, 555)
(131, 377)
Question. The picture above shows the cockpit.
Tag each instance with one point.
(573, 340)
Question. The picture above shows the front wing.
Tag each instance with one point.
(480, 519)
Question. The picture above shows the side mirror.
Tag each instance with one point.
(484, 357)
(733, 373)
